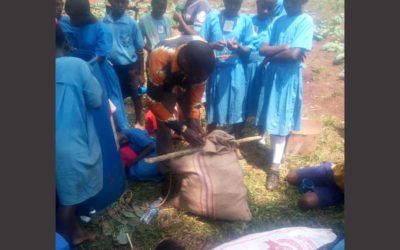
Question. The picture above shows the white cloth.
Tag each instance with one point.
(278, 147)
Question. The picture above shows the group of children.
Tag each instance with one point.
(258, 73)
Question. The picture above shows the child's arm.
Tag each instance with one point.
(292, 54)
(268, 50)
(240, 49)
(182, 24)
(140, 54)
(145, 152)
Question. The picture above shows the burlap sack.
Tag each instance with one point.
(212, 181)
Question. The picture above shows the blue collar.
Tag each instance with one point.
(124, 19)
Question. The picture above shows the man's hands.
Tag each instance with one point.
(194, 133)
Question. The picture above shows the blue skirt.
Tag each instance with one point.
(226, 94)
(280, 99)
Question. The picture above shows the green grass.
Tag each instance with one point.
(270, 210)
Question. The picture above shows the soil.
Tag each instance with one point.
(323, 90)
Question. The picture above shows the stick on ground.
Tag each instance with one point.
(193, 150)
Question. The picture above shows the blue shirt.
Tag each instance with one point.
(126, 39)
(66, 26)
(138, 139)
(161, 28)
(217, 27)
(95, 37)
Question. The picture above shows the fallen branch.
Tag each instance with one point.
(193, 150)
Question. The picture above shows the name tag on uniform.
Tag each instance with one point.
(228, 26)
(160, 29)
(255, 30)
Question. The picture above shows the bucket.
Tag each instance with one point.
(114, 181)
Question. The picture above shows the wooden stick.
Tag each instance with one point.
(193, 150)
(130, 242)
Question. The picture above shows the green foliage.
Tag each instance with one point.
(333, 30)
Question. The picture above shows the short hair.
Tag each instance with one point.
(199, 54)
(77, 6)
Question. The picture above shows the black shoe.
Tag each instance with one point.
(273, 180)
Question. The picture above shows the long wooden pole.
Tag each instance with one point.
(193, 150)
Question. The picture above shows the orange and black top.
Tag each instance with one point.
(167, 78)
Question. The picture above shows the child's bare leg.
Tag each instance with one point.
(308, 201)
(292, 178)
(72, 231)
(137, 103)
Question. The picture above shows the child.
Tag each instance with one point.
(143, 146)
(229, 34)
(93, 35)
(322, 185)
(63, 21)
(192, 17)
(262, 23)
(155, 26)
(79, 166)
(281, 94)
(127, 53)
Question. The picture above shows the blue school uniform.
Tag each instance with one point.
(282, 88)
(227, 86)
(97, 38)
(142, 171)
(127, 38)
(279, 10)
(254, 70)
(79, 169)
(66, 26)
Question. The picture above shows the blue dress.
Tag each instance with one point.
(254, 70)
(142, 171)
(97, 38)
(67, 28)
(227, 86)
(280, 100)
(79, 166)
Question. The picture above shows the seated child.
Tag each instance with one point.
(322, 185)
(141, 146)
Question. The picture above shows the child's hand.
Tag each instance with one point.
(218, 45)
(178, 17)
(232, 45)
(122, 139)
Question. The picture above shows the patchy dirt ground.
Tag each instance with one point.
(323, 90)
(323, 95)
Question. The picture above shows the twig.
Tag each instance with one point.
(193, 150)
(130, 242)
